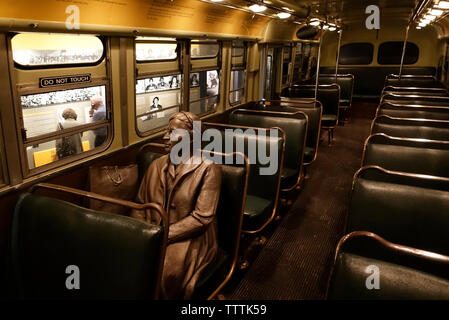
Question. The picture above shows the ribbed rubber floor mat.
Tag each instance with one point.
(296, 260)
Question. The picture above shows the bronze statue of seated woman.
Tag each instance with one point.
(189, 192)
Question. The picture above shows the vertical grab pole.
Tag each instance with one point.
(403, 51)
(318, 62)
(338, 53)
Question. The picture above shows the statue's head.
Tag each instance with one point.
(181, 120)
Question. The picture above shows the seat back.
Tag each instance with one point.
(423, 81)
(346, 83)
(413, 111)
(294, 124)
(415, 90)
(313, 110)
(265, 173)
(411, 128)
(258, 181)
(420, 93)
(231, 207)
(370, 80)
(328, 95)
(415, 98)
(117, 257)
(144, 158)
(403, 272)
(407, 155)
(396, 206)
(416, 101)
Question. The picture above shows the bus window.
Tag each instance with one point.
(268, 77)
(297, 70)
(204, 76)
(286, 60)
(149, 50)
(201, 50)
(237, 86)
(59, 124)
(356, 53)
(157, 98)
(391, 53)
(204, 91)
(44, 49)
(158, 85)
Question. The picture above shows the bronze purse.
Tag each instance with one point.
(120, 182)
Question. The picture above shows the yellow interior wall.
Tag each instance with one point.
(225, 76)
(279, 31)
(426, 39)
(253, 72)
(132, 133)
(182, 16)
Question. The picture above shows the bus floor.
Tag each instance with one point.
(295, 261)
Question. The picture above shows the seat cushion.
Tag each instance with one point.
(289, 177)
(214, 274)
(257, 211)
(309, 153)
(329, 120)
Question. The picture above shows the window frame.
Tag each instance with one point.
(245, 56)
(238, 67)
(21, 89)
(60, 65)
(357, 64)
